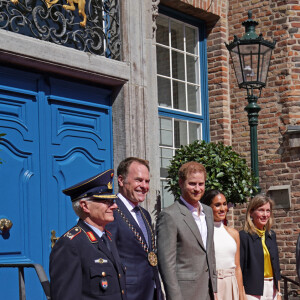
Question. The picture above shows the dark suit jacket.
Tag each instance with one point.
(141, 277)
(188, 269)
(81, 265)
(252, 261)
(298, 257)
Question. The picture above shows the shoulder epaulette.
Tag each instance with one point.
(91, 236)
(72, 232)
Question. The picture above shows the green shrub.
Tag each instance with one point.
(226, 170)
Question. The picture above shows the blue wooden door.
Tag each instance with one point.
(57, 134)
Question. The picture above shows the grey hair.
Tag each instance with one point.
(77, 208)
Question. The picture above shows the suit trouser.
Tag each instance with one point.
(269, 292)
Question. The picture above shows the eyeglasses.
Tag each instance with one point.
(108, 202)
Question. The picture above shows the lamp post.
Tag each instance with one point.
(251, 59)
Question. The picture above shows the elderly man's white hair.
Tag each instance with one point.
(77, 208)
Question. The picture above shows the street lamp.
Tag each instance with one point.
(251, 59)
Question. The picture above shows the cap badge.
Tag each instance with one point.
(109, 186)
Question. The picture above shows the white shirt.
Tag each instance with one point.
(129, 205)
(200, 220)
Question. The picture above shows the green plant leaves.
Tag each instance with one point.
(226, 170)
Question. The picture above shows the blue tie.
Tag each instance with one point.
(141, 222)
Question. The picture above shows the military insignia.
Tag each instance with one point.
(108, 234)
(111, 175)
(91, 236)
(104, 283)
(101, 261)
(72, 233)
(109, 186)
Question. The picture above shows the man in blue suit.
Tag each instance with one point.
(133, 232)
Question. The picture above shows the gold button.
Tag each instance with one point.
(123, 292)
(103, 274)
(119, 275)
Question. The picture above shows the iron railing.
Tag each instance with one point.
(292, 292)
(40, 273)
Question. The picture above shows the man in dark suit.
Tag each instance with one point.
(186, 255)
(133, 233)
(84, 263)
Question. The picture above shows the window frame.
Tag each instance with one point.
(204, 117)
(173, 113)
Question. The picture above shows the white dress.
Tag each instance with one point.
(225, 250)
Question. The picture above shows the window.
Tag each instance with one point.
(182, 87)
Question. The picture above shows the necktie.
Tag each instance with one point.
(141, 222)
(106, 241)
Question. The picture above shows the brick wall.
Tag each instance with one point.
(218, 81)
(280, 106)
(280, 101)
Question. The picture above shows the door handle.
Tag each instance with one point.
(54, 238)
(5, 225)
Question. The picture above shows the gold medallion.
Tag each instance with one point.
(152, 259)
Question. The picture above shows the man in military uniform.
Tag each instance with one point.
(84, 263)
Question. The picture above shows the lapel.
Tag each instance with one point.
(149, 230)
(190, 222)
(268, 240)
(254, 237)
(132, 221)
(114, 252)
(209, 224)
(98, 243)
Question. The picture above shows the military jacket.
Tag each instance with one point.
(82, 267)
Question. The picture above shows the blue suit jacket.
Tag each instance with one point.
(141, 277)
(82, 268)
(252, 261)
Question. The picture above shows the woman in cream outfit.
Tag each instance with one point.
(227, 250)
